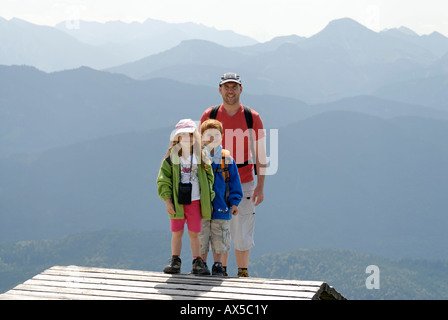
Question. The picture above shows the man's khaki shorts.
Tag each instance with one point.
(242, 226)
(215, 234)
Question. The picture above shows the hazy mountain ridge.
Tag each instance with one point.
(98, 45)
(24, 43)
(136, 40)
(36, 105)
(342, 60)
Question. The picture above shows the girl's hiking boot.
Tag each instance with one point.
(242, 273)
(217, 269)
(200, 267)
(173, 266)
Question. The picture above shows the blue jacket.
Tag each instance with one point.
(221, 209)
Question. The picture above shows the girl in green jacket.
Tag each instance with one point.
(185, 183)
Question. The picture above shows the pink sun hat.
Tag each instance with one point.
(185, 125)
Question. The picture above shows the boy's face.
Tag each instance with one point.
(212, 138)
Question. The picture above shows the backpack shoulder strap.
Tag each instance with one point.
(225, 172)
(214, 112)
(248, 115)
(168, 159)
(250, 125)
(226, 154)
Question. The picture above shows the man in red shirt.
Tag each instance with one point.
(236, 139)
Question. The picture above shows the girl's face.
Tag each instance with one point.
(186, 139)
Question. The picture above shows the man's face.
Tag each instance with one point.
(230, 92)
(212, 138)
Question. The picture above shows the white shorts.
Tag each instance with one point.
(242, 225)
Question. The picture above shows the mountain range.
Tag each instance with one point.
(41, 110)
(98, 45)
(47, 48)
(137, 40)
(342, 60)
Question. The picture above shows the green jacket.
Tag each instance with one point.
(167, 187)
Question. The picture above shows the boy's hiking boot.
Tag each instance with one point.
(200, 267)
(217, 269)
(242, 273)
(173, 266)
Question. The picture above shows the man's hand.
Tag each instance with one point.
(234, 210)
(258, 195)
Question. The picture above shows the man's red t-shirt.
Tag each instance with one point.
(236, 137)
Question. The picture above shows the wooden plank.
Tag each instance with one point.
(74, 282)
(222, 281)
(184, 280)
(25, 293)
(172, 289)
(160, 274)
(190, 289)
(17, 295)
(86, 293)
(193, 280)
(86, 290)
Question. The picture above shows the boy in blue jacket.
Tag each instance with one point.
(228, 194)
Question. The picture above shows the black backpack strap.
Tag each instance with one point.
(214, 112)
(250, 125)
(248, 115)
(226, 176)
(168, 159)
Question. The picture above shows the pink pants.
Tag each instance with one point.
(192, 215)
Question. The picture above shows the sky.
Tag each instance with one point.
(259, 19)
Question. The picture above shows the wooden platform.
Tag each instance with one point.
(82, 283)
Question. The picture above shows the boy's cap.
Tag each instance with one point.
(230, 77)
